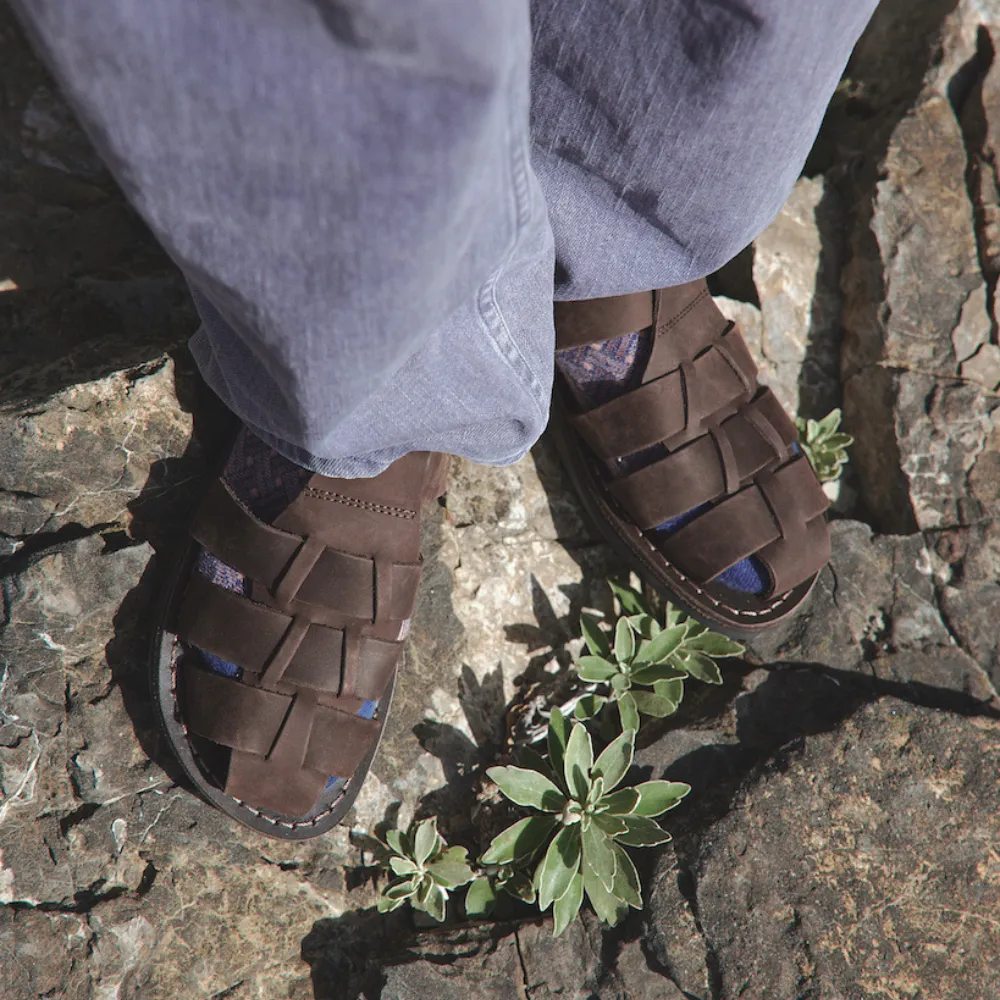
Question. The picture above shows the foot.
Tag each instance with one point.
(688, 465)
(278, 656)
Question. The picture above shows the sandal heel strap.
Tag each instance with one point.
(590, 321)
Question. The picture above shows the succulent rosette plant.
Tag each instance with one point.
(583, 822)
(426, 870)
(641, 655)
(825, 445)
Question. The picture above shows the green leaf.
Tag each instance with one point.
(593, 635)
(626, 885)
(672, 690)
(399, 842)
(386, 905)
(596, 790)
(631, 601)
(675, 616)
(615, 760)
(451, 869)
(837, 442)
(403, 866)
(665, 671)
(579, 760)
(567, 906)
(656, 797)
(624, 641)
(830, 422)
(653, 704)
(597, 854)
(714, 645)
(400, 888)
(588, 706)
(644, 626)
(642, 832)
(520, 841)
(433, 902)
(528, 788)
(557, 738)
(628, 712)
(426, 840)
(621, 802)
(659, 648)
(608, 909)
(701, 667)
(610, 824)
(595, 669)
(560, 864)
(620, 684)
(481, 898)
(520, 887)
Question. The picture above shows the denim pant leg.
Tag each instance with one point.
(347, 190)
(668, 133)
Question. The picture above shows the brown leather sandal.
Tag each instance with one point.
(285, 746)
(700, 446)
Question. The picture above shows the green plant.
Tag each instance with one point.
(585, 820)
(425, 869)
(481, 897)
(825, 445)
(640, 654)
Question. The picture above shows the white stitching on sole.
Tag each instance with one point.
(175, 643)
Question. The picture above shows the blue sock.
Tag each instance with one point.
(266, 482)
(598, 373)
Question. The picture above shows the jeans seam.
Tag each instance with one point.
(487, 304)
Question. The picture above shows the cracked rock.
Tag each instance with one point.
(861, 863)
(915, 315)
(838, 840)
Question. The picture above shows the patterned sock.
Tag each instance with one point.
(266, 482)
(597, 373)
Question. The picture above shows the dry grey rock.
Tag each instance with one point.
(796, 268)
(920, 342)
(861, 864)
(837, 841)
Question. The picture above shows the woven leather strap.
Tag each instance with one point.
(712, 440)
(333, 580)
(302, 570)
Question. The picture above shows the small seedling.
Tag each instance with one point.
(640, 654)
(425, 869)
(825, 445)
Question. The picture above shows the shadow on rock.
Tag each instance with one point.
(357, 957)
(775, 718)
(79, 271)
(160, 514)
(546, 637)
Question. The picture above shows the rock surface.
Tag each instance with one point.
(840, 842)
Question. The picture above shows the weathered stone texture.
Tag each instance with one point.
(840, 843)
(862, 864)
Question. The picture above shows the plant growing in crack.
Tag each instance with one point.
(583, 821)
(825, 445)
(425, 869)
(639, 654)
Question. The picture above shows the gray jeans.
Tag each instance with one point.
(375, 201)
